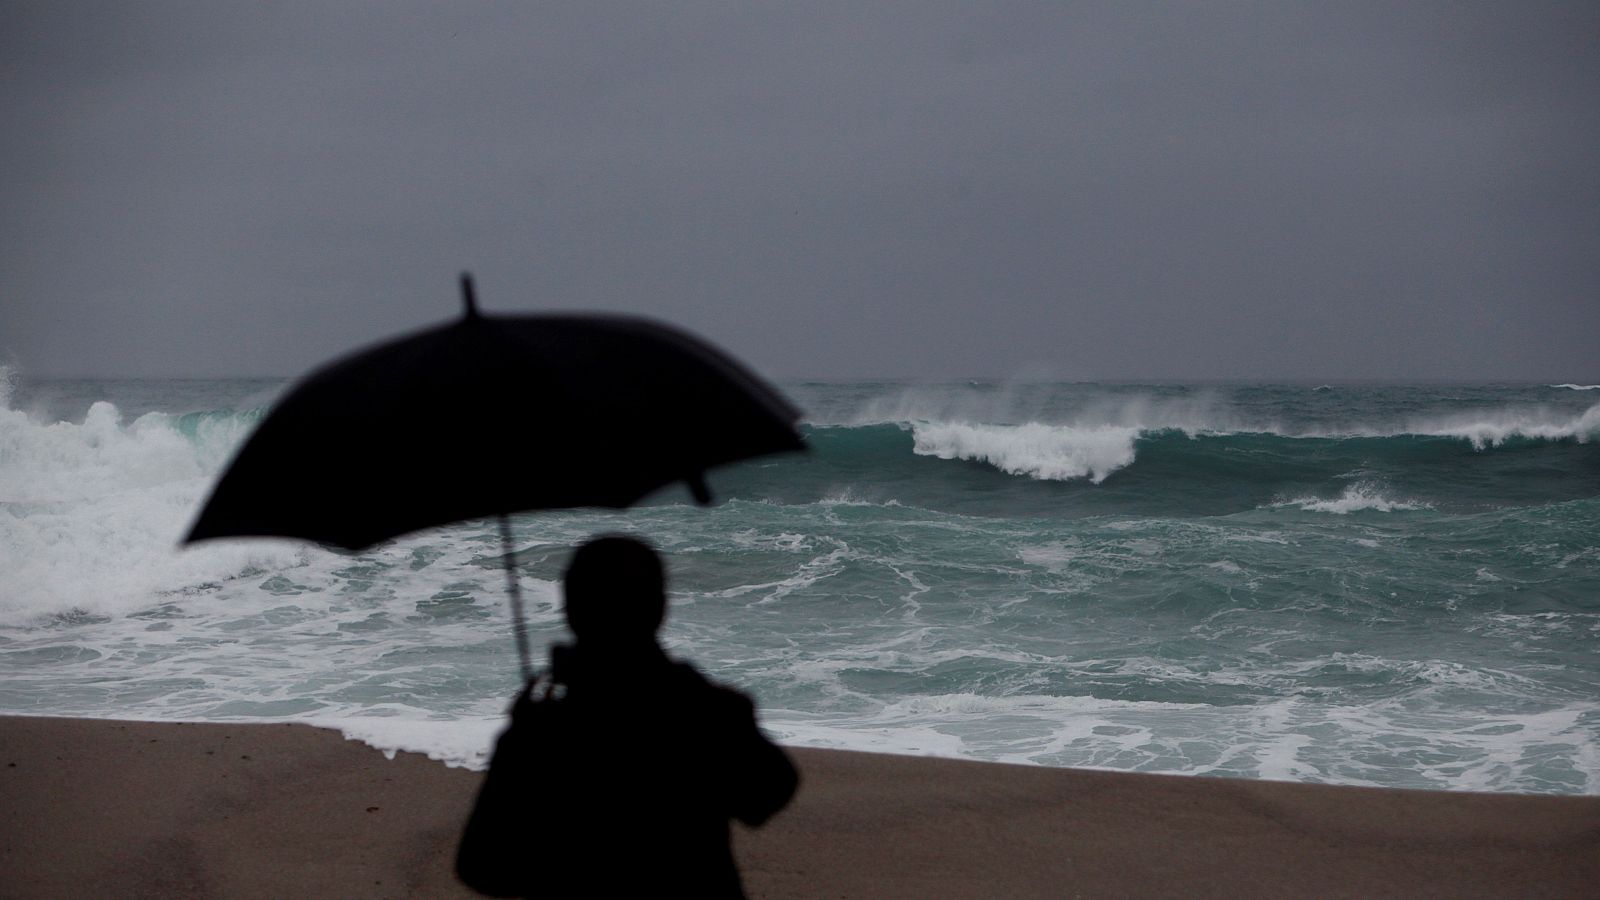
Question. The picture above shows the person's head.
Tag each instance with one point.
(615, 590)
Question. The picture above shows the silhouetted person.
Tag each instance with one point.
(619, 773)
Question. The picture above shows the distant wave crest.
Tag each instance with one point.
(1498, 428)
(1095, 450)
(1045, 452)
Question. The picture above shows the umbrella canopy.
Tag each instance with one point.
(490, 415)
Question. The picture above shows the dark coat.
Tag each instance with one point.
(623, 785)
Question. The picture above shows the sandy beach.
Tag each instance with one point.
(136, 809)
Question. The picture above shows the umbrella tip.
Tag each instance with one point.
(468, 295)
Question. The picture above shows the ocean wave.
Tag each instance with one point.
(1193, 470)
(1094, 442)
(1044, 452)
(91, 511)
(1495, 429)
(1356, 498)
(1323, 411)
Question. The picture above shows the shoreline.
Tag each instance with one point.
(147, 809)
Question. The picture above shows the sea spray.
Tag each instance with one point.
(1501, 426)
(1355, 498)
(94, 509)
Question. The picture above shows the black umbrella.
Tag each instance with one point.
(489, 415)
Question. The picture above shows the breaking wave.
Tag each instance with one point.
(91, 507)
(90, 511)
(1508, 425)
(1045, 452)
(1094, 449)
(1267, 583)
(1356, 498)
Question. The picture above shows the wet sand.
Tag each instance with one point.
(134, 809)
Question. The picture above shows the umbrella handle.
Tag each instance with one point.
(519, 628)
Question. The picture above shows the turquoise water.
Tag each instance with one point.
(1357, 584)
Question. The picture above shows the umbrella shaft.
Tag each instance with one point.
(514, 588)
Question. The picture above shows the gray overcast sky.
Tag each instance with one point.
(1073, 190)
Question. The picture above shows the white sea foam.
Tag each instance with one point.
(1019, 729)
(456, 742)
(1291, 738)
(1055, 556)
(1356, 498)
(65, 462)
(1578, 387)
(91, 512)
(1045, 452)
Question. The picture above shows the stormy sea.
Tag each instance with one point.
(1389, 585)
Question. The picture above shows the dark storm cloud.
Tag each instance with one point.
(1086, 190)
